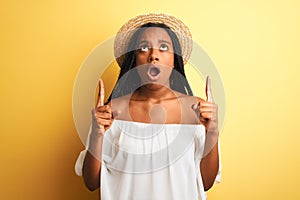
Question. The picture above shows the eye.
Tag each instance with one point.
(164, 47)
(144, 48)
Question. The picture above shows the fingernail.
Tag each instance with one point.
(194, 106)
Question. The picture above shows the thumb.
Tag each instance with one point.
(195, 106)
(101, 93)
(208, 91)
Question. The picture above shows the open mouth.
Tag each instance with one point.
(153, 73)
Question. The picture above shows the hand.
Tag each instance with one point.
(101, 114)
(208, 111)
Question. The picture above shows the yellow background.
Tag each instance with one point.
(254, 44)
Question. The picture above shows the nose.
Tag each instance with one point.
(153, 57)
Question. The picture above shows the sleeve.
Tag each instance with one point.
(79, 163)
(80, 159)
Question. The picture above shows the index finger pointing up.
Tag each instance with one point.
(208, 92)
(101, 93)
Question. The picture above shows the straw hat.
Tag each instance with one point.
(178, 27)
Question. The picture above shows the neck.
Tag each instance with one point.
(154, 92)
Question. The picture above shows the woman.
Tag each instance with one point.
(153, 139)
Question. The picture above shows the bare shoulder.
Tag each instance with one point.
(188, 99)
(120, 101)
(189, 116)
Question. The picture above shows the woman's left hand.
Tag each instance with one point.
(208, 111)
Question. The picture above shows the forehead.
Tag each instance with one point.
(155, 33)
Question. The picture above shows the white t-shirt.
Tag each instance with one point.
(143, 161)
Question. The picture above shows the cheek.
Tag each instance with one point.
(141, 59)
(170, 60)
(141, 70)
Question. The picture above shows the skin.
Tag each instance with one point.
(155, 103)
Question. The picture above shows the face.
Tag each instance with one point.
(155, 55)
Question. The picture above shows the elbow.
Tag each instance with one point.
(208, 183)
(91, 183)
(91, 186)
(207, 187)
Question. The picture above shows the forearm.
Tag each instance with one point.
(92, 162)
(209, 164)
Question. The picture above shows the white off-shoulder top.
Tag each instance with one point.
(143, 161)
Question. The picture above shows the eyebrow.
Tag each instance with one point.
(143, 41)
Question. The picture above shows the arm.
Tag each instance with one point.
(208, 116)
(101, 121)
(209, 164)
(92, 163)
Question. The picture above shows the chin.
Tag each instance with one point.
(154, 86)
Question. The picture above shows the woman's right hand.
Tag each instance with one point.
(102, 117)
